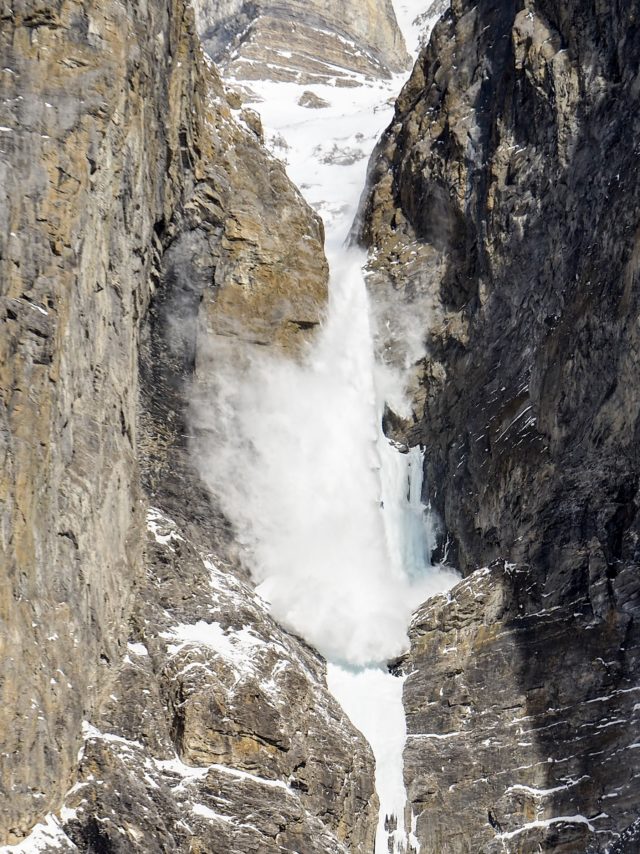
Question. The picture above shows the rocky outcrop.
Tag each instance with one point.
(219, 734)
(141, 217)
(524, 724)
(502, 215)
(304, 42)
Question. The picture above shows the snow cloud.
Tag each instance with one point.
(294, 454)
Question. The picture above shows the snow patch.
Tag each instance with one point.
(161, 528)
(138, 649)
(236, 647)
(549, 822)
(205, 812)
(44, 837)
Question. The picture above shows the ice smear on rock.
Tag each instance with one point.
(372, 698)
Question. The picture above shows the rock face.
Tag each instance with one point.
(523, 724)
(219, 734)
(140, 215)
(312, 42)
(503, 214)
(78, 209)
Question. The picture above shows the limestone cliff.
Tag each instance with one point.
(503, 213)
(139, 215)
(313, 41)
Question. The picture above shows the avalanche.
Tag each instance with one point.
(329, 511)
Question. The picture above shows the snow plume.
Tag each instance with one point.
(328, 511)
(294, 452)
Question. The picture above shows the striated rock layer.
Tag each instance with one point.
(503, 214)
(307, 42)
(140, 216)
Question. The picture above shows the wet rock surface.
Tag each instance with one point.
(503, 216)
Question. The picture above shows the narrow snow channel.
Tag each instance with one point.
(353, 560)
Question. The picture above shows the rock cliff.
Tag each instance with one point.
(311, 42)
(503, 213)
(149, 702)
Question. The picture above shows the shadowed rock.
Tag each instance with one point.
(502, 213)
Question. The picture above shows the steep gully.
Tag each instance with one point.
(328, 509)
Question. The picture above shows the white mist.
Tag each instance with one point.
(329, 512)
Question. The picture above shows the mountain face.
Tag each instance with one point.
(150, 703)
(313, 42)
(503, 213)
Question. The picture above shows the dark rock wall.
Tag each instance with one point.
(504, 211)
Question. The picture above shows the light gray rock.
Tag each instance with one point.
(311, 42)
